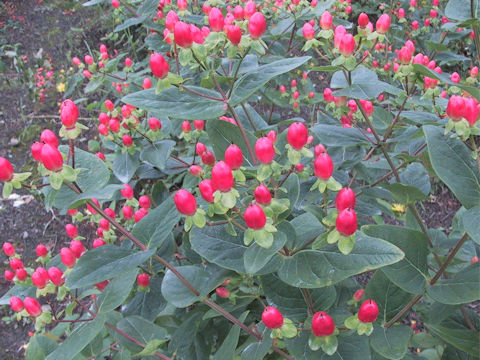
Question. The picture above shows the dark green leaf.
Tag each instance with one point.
(410, 273)
(104, 262)
(80, 337)
(471, 223)
(451, 161)
(124, 166)
(103, 194)
(18, 290)
(158, 153)
(462, 288)
(458, 10)
(332, 135)
(251, 82)
(391, 343)
(117, 291)
(39, 347)
(226, 351)
(178, 104)
(315, 269)
(203, 278)
(139, 329)
(154, 228)
(307, 227)
(129, 22)
(464, 340)
(147, 304)
(256, 257)
(405, 194)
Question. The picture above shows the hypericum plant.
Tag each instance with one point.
(252, 161)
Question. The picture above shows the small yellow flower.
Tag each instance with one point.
(398, 208)
(61, 87)
(62, 71)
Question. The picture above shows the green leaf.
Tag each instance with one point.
(410, 273)
(80, 337)
(117, 291)
(103, 194)
(151, 347)
(389, 297)
(18, 290)
(125, 166)
(147, 304)
(462, 288)
(289, 300)
(139, 329)
(256, 257)
(258, 350)
(222, 134)
(464, 340)
(471, 223)
(333, 135)
(226, 351)
(459, 10)
(445, 78)
(405, 194)
(364, 84)
(307, 227)
(254, 80)
(315, 269)
(157, 154)
(39, 347)
(391, 343)
(416, 175)
(251, 114)
(94, 174)
(178, 104)
(202, 278)
(155, 228)
(452, 162)
(130, 22)
(104, 262)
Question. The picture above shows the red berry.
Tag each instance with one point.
(264, 150)
(170, 20)
(144, 201)
(127, 192)
(234, 157)
(77, 248)
(257, 25)
(154, 124)
(140, 214)
(185, 202)
(40, 277)
(215, 19)
(474, 260)
(186, 127)
(68, 257)
(222, 177)
(183, 34)
(56, 276)
(41, 250)
(345, 199)
(297, 135)
(8, 249)
(71, 230)
(159, 65)
(323, 166)
(21, 274)
(208, 158)
(101, 285)
(299, 167)
(206, 190)
(147, 83)
(346, 222)
(127, 212)
(103, 129)
(383, 24)
(100, 155)
(234, 34)
(254, 217)
(322, 324)
(16, 304)
(51, 158)
(110, 212)
(36, 150)
(222, 292)
(319, 149)
(363, 20)
(368, 311)
(143, 280)
(127, 140)
(262, 195)
(326, 21)
(16, 263)
(347, 45)
(109, 105)
(456, 107)
(6, 170)
(272, 318)
(9, 275)
(308, 31)
(199, 124)
(68, 113)
(200, 148)
(48, 137)
(32, 306)
(358, 295)
(98, 242)
(196, 170)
